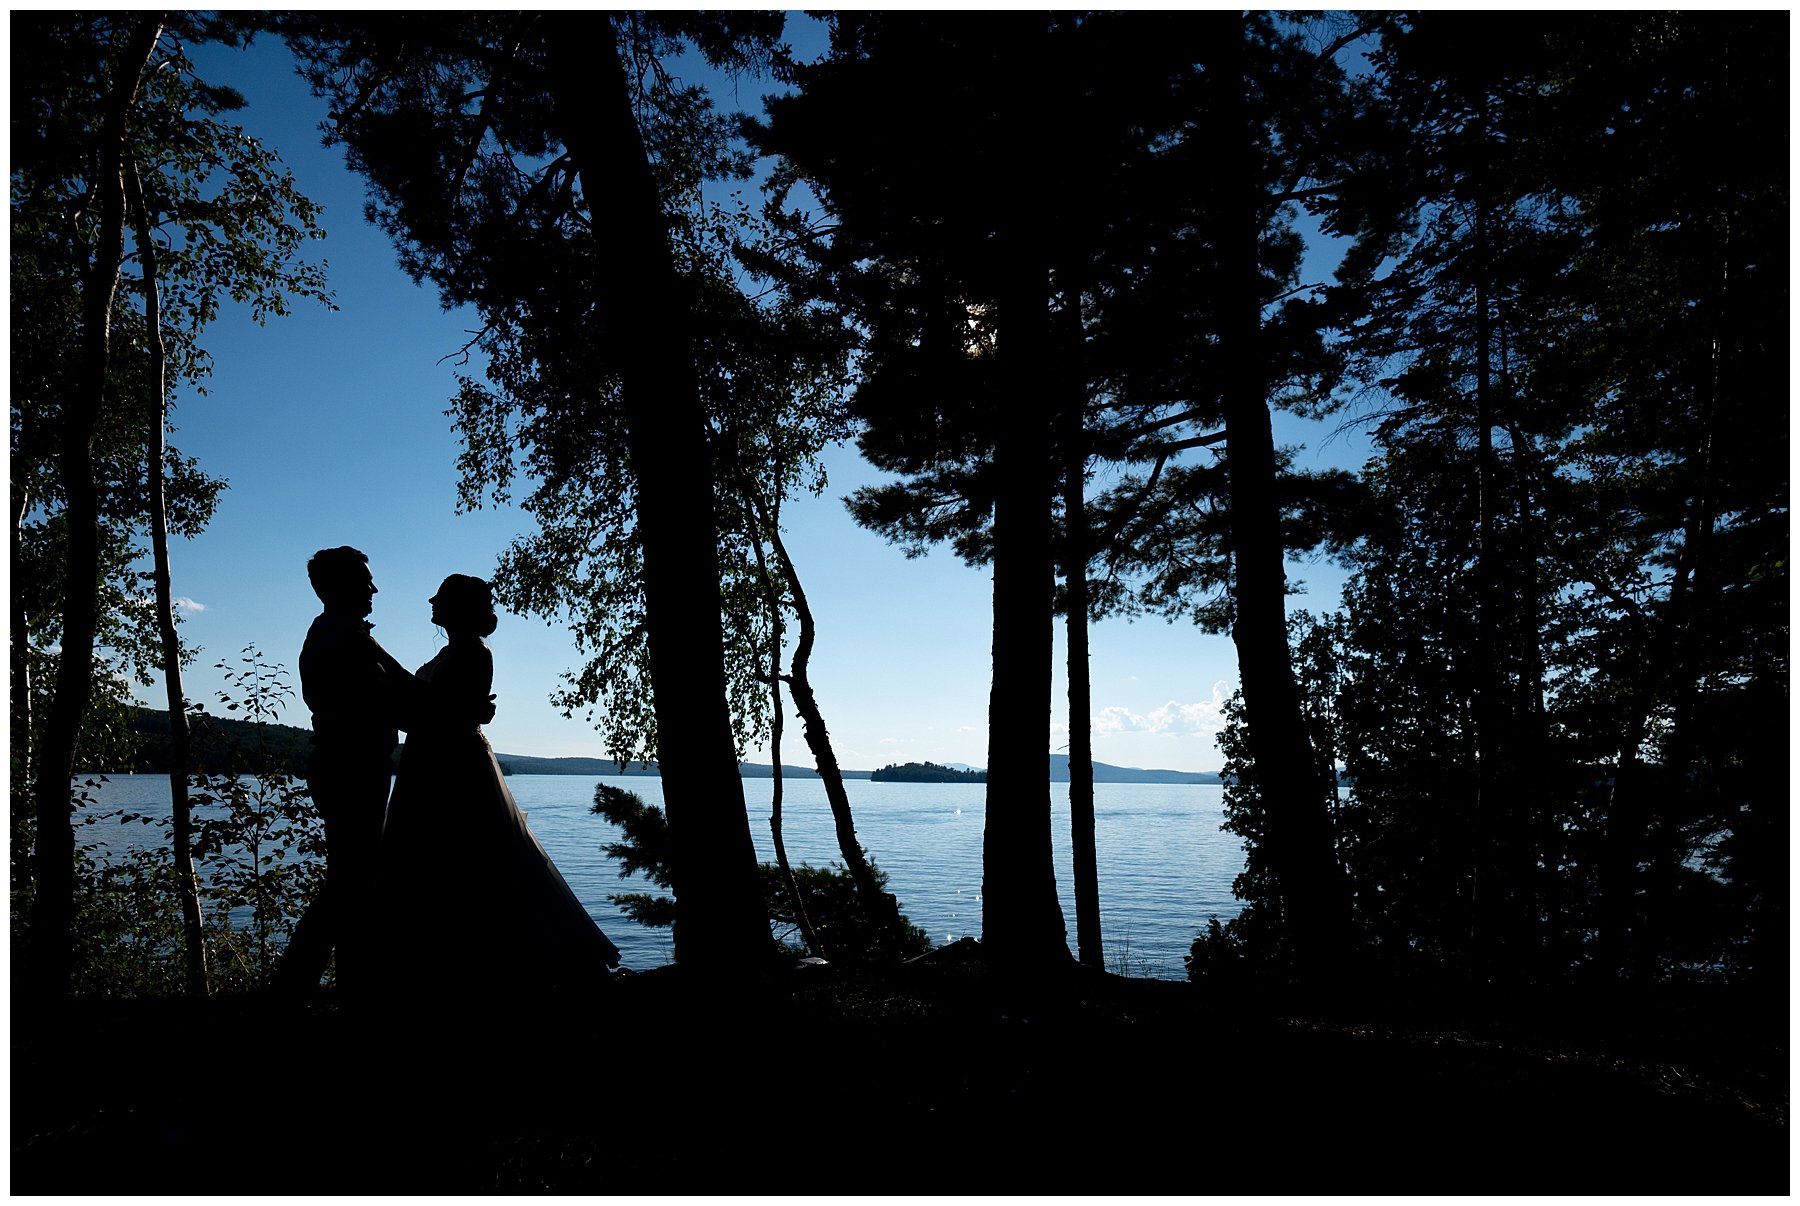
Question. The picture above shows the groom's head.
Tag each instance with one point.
(341, 579)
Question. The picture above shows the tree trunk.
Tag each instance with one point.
(713, 866)
(1538, 863)
(1075, 579)
(801, 919)
(881, 906)
(1683, 671)
(53, 910)
(1302, 858)
(22, 706)
(1021, 918)
(181, 754)
(1664, 672)
(1492, 820)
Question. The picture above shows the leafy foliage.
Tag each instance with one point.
(474, 181)
(266, 854)
(1559, 673)
(838, 911)
(644, 850)
(229, 224)
(259, 849)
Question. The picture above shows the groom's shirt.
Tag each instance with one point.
(345, 680)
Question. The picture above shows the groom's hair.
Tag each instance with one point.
(332, 570)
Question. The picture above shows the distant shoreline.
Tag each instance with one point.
(284, 747)
(520, 764)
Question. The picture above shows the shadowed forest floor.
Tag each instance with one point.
(930, 1079)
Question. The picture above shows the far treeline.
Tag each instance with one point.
(264, 748)
(925, 772)
(217, 742)
(1053, 273)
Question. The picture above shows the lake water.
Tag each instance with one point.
(1164, 864)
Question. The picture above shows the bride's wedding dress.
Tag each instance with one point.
(477, 900)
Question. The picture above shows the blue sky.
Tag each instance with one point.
(330, 428)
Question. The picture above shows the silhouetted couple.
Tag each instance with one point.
(442, 889)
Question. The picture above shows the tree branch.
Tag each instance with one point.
(1355, 35)
(1205, 441)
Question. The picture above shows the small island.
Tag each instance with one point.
(926, 772)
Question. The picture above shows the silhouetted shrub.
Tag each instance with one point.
(838, 912)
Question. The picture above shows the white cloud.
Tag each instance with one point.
(181, 603)
(890, 741)
(1175, 718)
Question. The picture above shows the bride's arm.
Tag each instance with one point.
(482, 709)
(453, 695)
(466, 697)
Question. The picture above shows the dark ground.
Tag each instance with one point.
(931, 1079)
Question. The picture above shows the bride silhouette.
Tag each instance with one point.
(480, 903)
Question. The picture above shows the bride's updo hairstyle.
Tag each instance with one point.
(467, 600)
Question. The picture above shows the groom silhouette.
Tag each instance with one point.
(360, 698)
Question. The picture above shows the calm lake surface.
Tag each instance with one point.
(1165, 866)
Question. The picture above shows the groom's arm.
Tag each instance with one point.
(402, 692)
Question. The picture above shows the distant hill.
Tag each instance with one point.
(220, 743)
(1103, 773)
(926, 772)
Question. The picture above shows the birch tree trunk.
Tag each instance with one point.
(1075, 578)
(181, 746)
(808, 935)
(50, 955)
(882, 906)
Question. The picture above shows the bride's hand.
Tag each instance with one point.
(486, 711)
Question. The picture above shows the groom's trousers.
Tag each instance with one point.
(350, 790)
